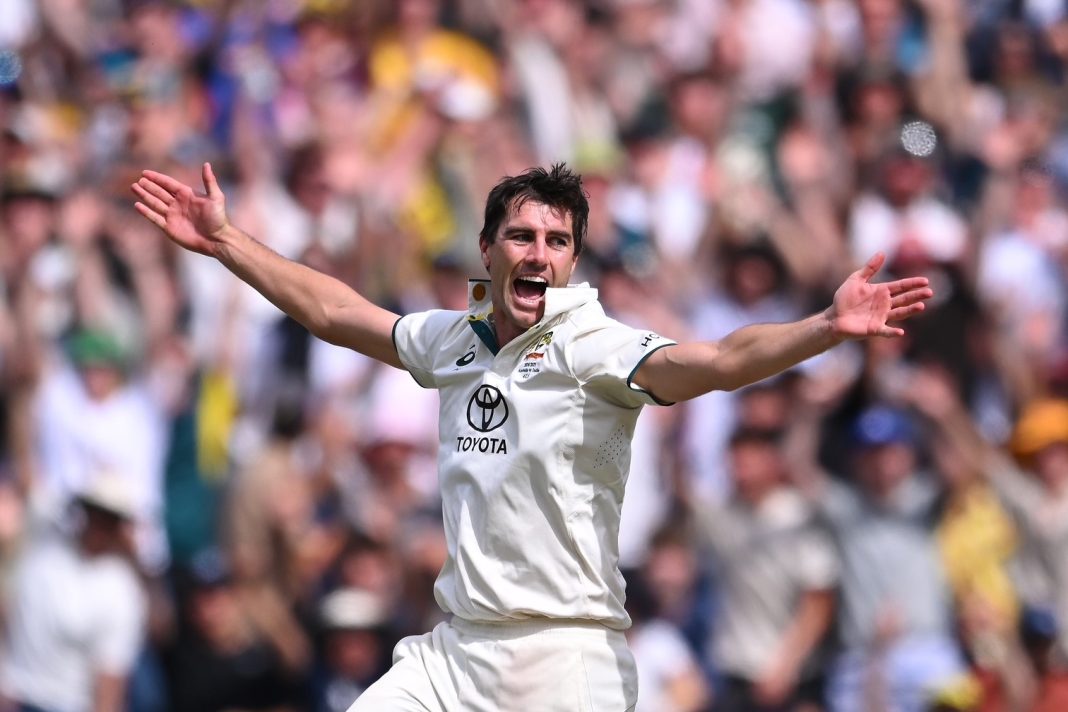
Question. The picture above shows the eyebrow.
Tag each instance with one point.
(520, 230)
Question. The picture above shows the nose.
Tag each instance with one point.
(538, 252)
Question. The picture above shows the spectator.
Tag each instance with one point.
(360, 138)
(776, 571)
(978, 542)
(76, 610)
(895, 624)
(100, 415)
(904, 217)
(1032, 488)
(223, 657)
(753, 289)
(671, 679)
(354, 647)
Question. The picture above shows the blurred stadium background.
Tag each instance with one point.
(883, 528)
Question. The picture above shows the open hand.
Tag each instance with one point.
(193, 221)
(862, 309)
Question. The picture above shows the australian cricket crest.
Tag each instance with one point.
(533, 361)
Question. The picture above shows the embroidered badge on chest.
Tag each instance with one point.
(532, 362)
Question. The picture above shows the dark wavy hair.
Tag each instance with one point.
(559, 188)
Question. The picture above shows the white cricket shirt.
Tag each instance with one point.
(534, 455)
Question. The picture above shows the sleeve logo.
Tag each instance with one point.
(649, 338)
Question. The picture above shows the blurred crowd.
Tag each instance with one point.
(202, 508)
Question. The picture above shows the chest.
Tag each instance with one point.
(46, 602)
(492, 400)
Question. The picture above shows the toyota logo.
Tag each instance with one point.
(487, 409)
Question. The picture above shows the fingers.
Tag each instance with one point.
(909, 283)
(169, 184)
(902, 313)
(874, 265)
(906, 298)
(902, 307)
(211, 185)
(148, 198)
(152, 216)
(156, 190)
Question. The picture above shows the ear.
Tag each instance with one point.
(483, 248)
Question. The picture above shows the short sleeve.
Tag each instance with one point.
(418, 338)
(667, 649)
(120, 628)
(606, 358)
(816, 562)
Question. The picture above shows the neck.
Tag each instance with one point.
(755, 495)
(506, 336)
(505, 332)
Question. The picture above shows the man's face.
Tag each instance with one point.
(1051, 466)
(534, 250)
(756, 468)
(101, 380)
(884, 467)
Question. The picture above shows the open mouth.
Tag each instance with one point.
(530, 288)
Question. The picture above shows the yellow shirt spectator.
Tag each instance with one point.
(977, 539)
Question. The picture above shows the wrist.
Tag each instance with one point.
(225, 241)
(828, 323)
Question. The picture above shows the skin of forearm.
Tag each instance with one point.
(745, 356)
(91, 287)
(109, 693)
(327, 307)
(27, 361)
(946, 90)
(811, 622)
(801, 447)
(949, 64)
(956, 425)
(688, 691)
(158, 306)
(785, 228)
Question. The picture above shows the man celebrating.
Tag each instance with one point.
(539, 395)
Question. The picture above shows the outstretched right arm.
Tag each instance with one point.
(328, 308)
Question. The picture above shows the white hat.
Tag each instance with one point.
(352, 608)
(108, 490)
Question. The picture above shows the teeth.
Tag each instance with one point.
(539, 280)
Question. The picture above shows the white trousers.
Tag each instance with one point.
(508, 667)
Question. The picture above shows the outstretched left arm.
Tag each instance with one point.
(860, 309)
